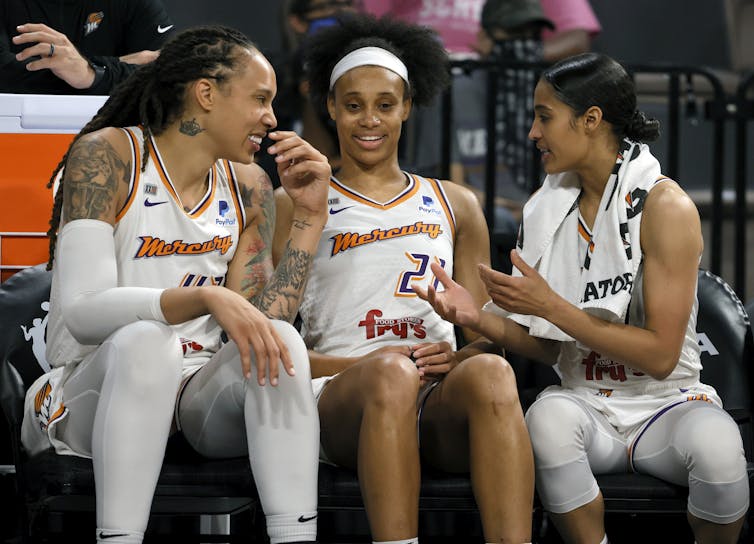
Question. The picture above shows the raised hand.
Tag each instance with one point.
(454, 303)
(56, 53)
(528, 294)
(304, 172)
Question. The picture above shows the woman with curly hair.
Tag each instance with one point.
(387, 374)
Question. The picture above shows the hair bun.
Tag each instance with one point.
(641, 128)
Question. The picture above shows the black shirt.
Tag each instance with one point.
(101, 30)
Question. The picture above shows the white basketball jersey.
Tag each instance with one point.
(161, 245)
(358, 296)
(581, 367)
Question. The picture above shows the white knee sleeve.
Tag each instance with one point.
(705, 452)
(569, 447)
(282, 432)
(121, 402)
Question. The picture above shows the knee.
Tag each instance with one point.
(296, 347)
(391, 381)
(714, 450)
(554, 422)
(149, 355)
(489, 380)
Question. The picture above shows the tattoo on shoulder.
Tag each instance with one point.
(190, 128)
(92, 174)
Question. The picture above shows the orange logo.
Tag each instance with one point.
(349, 240)
(155, 247)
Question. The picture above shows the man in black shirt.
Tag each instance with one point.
(77, 46)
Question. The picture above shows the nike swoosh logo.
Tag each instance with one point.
(334, 211)
(149, 203)
(303, 519)
(110, 535)
(162, 29)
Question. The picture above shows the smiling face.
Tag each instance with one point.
(242, 114)
(560, 135)
(369, 105)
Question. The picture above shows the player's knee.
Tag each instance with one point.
(148, 354)
(295, 345)
(489, 379)
(714, 450)
(391, 381)
(554, 421)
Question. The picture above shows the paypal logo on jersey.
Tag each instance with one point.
(428, 205)
(222, 209)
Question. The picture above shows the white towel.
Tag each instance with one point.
(599, 282)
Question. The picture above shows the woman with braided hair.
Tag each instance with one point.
(160, 240)
(385, 365)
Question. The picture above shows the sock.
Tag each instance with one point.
(292, 527)
(116, 536)
(414, 540)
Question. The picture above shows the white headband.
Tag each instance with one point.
(368, 56)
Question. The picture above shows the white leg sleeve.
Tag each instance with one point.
(121, 401)
(571, 443)
(698, 445)
(281, 424)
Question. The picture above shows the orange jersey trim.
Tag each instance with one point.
(236, 192)
(162, 171)
(410, 191)
(135, 174)
(444, 203)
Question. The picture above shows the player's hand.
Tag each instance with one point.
(304, 172)
(252, 331)
(528, 294)
(56, 53)
(434, 360)
(454, 303)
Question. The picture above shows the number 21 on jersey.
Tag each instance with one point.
(420, 267)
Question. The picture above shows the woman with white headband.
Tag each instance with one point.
(386, 372)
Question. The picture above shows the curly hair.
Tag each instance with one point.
(153, 96)
(418, 47)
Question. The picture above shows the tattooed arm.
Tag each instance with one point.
(96, 176)
(277, 290)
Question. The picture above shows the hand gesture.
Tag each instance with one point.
(454, 303)
(434, 360)
(251, 330)
(56, 53)
(527, 295)
(304, 172)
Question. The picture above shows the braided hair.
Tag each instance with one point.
(418, 47)
(153, 95)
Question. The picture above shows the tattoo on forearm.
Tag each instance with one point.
(301, 224)
(259, 266)
(92, 174)
(190, 128)
(281, 296)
